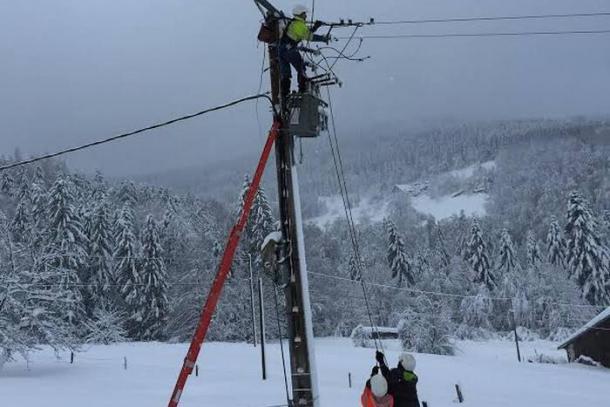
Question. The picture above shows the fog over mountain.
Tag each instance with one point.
(75, 71)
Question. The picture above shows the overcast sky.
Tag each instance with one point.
(76, 70)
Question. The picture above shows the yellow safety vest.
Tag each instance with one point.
(298, 31)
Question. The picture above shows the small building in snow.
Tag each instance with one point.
(365, 336)
(591, 341)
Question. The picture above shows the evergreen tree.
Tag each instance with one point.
(154, 304)
(556, 245)
(506, 257)
(127, 194)
(126, 268)
(65, 251)
(101, 275)
(532, 250)
(7, 184)
(260, 224)
(31, 306)
(355, 269)
(587, 258)
(21, 224)
(399, 263)
(478, 258)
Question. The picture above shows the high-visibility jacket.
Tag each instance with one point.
(368, 399)
(298, 31)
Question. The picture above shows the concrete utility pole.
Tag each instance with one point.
(300, 328)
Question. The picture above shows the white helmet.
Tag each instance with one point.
(379, 385)
(299, 9)
(407, 361)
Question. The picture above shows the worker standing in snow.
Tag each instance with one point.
(375, 392)
(296, 32)
(402, 380)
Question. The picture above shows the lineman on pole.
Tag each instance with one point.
(296, 32)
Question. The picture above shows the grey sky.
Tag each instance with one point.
(77, 70)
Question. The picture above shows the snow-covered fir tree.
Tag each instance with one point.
(101, 276)
(506, 262)
(355, 268)
(478, 257)
(127, 194)
(125, 257)
(398, 260)
(31, 307)
(556, 245)
(66, 249)
(7, 184)
(154, 306)
(261, 219)
(588, 258)
(532, 250)
(22, 222)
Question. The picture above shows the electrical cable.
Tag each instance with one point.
(260, 86)
(482, 34)
(338, 164)
(450, 295)
(349, 39)
(279, 330)
(132, 133)
(493, 18)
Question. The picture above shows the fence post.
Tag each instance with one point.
(459, 393)
(71, 358)
(197, 370)
(125, 362)
(349, 379)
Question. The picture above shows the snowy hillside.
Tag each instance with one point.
(447, 206)
(466, 193)
(230, 375)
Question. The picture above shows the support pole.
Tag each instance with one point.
(300, 328)
(261, 318)
(252, 307)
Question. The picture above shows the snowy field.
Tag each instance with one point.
(230, 375)
(447, 206)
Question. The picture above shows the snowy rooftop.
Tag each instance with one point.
(604, 315)
(380, 329)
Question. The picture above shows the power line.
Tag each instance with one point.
(132, 133)
(482, 34)
(494, 18)
(443, 294)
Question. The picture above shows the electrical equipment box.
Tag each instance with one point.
(307, 117)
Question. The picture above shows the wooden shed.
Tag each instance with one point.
(592, 340)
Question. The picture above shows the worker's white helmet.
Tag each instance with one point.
(407, 361)
(379, 385)
(299, 9)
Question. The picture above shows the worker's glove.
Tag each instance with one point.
(375, 371)
(380, 357)
(317, 25)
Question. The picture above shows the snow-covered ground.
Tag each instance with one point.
(230, 375)
(367, 208)
(470, 170)
(446, 206)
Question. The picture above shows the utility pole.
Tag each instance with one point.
(252, 300)
(261, 315)
(300, 328)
